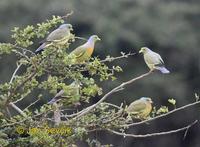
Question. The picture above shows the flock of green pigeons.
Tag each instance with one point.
(141, 107)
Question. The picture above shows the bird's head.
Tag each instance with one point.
(66, 26)
(147, 99)
(144, 50)
(94, 38)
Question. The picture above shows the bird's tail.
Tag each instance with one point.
(163, 70)
(40, 48)
(56, 97)
(53, 100)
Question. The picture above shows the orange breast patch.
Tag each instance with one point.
(90, 51)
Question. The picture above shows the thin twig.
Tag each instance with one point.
(113, 105)
(23, 49)
(18, 100)
(22, 54)
(81, 38)
(72, 115)
(153, 134)
(33, 103)
(116, 58)
(77, 113)
(119, 114)
(14, 73)
(11, 103)
(68, 14)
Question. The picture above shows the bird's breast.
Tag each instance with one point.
(149, 108)
(90, 51)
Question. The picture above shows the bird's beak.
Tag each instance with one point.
(70, 27)
(140, 51)
(151, 102)
(98, 39)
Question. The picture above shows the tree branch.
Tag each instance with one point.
(81, 38)
(88, 109)
(119, 57)
(14, 73)
(154, 134)
(33, 103)
(11, 103)
(57, 115)
(68, 14)
(113, 105)
(17, 109)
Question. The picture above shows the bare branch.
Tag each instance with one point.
(33, 103)
(81, 38)
(18, 100)
(17, 109)
(68, 14)
(113, 105)
(119, 57)
(153, 134)
(11, 103)
(14, 73)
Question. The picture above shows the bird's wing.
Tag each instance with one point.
(57, 34)
(43, 41)
(56, 97)
(160, 59)
(153, 58)
(136, 107)
(79, 51)
(59, 94)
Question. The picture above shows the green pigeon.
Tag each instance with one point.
(153, 60)
(84, 52)
(58, 36)
(140, 108)
(72, 90)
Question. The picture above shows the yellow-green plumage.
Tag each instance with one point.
(140, 108)
(84, 52)
(69, 91)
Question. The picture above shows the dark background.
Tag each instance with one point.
(169, 27)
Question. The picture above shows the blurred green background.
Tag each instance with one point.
(169, 27)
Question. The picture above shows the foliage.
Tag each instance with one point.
(50, 71)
